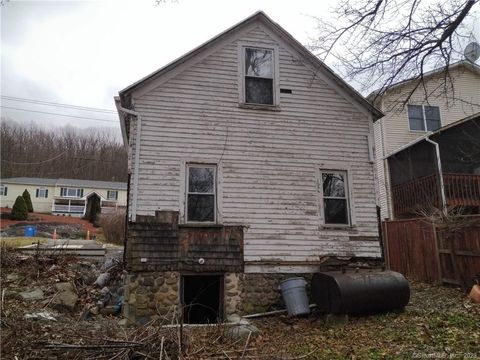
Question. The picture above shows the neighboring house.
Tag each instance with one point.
(428, 109)
(422, 178)
(64, 196)
(249, 160)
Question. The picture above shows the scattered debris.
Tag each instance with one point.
(102, 279)
(438, 320)
(35, 294)
(46, 229)
(44, 315)
(65, 296)
(242, 331)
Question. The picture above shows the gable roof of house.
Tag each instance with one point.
(462, 63)
(94, 184)
(263, 18)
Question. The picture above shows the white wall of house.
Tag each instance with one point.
(268, 160)
(40, 204)
(44, 204)
(392, 131)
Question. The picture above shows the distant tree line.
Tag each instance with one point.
(62, 152)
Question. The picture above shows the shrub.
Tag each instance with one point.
(113, 226)
(28, 200)
(95, 211)
(19, 209)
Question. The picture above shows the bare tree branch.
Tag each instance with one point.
(380, 43)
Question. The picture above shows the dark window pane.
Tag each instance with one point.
(415, 117)
(417, 124)
(336, 211)
(201, 208)
(333, 184)
(258, 63)
(433, 125)
(258, 91)
(201, 179)
(432, 115)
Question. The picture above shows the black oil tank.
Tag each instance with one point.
(360, 291)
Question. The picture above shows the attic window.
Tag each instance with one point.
(259, 76)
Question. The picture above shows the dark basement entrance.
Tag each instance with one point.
(202, 297)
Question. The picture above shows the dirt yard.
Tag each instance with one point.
(439, 322)
(46, 223)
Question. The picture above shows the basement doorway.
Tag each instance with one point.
(202, 297)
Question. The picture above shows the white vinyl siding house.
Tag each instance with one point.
(64, 196)
(404, 124)
(267, 151)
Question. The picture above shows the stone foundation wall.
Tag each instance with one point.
(150, 295)
(257, 292)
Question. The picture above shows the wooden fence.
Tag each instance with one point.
(415, 248)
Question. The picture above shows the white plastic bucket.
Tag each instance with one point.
(295, 296)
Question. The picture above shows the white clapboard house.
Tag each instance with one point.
(248, 131)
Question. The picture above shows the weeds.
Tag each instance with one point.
(113, 226)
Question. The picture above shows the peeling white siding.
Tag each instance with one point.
(267, 160)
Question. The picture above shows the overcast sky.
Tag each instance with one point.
(84, 52)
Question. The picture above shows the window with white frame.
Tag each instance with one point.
(71, 192)
(201, 193)
(259, 76)
(41, 193)
(112, 195)
(3, 190)
(334, 190)
(423, 117)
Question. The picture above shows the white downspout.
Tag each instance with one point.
(137, 158)
(440, 173)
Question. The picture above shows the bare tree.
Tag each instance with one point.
(92, 154)
(382, 42)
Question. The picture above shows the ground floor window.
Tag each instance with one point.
(334, 191)
(42, 193)
(71, 192)
(201, 193)
(3, 190)
(112, 195)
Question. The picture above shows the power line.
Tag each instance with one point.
(57, 114)
(57, 156)
(34, 163)
(49, 103)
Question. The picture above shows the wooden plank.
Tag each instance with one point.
(437, 255)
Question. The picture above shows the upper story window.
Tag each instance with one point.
(259, 76)
(201, 193)
(334, 191)
(41, 193)
(423, 117)
(3, 190)
(112, 195)
(71, 192)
